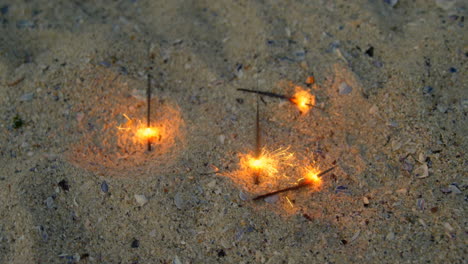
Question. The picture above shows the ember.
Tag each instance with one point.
(303, 99)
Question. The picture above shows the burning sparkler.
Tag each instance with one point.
(302, 98)
(311, 178)
(267, 163)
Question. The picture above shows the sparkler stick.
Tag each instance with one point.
(295, 187)
(275, 95)
(265, 93)
(148, 117)
(258, 149)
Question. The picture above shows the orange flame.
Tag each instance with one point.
(303, 99)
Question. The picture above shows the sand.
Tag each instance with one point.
(391, 105)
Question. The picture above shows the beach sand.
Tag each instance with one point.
(391, 103)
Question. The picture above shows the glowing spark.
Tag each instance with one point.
(311, 176)
(289, 201)
(268, 162)
(148, 133)
(140, 132)
(303, 99)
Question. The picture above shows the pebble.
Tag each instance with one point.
(49, 202)
(176, 260)
(448, 227)
(373, 110)
(243, 196)
(427, 89)
(104, 187)
(356, 235)
(422, 171)
(272, 199)
(442, 108)
(141, 199)
(221, 139)
(211, 184)
(300, 54)
(452, 188)
(4, 9)
(421, 204)
(135, 243)
(105, 64)
(445, 4)
(24, 24)
(392, 3)
(344, 88)
(365, 200)
(178, 200)
(27, 97)
(44, 235)
(390, 236)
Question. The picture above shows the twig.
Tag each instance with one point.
(295, 187)
(14, 83)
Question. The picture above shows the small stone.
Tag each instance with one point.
(422, 171)
(211, 184)
(179, 201)
(365, 200)
(300, 54)
(427, 90)
(390, 236)
(221, 139)
(392, 3)
(454, 188)
(420, 204)
(141, 199)
(64, 185)
(24, 24)
(272, 199)
(356, 235)
(135, 243)
(445, 4)
(4, 9)
(49, 202)
(27, 97)
(344, 88)
(448, 227)
(176, 260)
(373, 110)
(442, 108)
(243, 196)
(104, 187)
(105, 64)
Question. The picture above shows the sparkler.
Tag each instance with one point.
(149, 131)
(302, 98)
(310, 179)
(257, 163)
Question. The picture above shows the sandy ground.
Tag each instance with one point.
(390, 83)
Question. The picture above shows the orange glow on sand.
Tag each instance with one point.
(303, 99)
(270, 168)
(140, 133)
